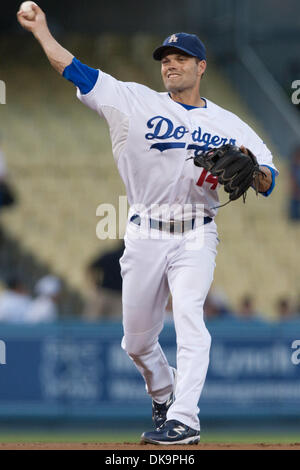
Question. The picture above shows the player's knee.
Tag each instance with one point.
(205, 338)
(199, 336)
(136, 345)
(187, 308)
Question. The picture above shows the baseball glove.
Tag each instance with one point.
(235, 169)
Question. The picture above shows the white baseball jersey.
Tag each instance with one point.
(153, 136)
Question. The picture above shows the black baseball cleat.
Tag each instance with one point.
(159, 410)
(170, 433)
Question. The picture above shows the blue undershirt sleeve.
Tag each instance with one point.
(81, 75)
(267, 193)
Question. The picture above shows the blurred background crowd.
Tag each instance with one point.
(20, 305)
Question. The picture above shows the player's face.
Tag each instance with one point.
(181, 72)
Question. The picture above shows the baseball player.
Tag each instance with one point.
(156, 138)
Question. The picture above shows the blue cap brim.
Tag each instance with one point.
(158, 53)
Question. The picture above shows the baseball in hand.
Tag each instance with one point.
(26, 8)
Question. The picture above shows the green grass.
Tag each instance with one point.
(69, 437)
(134, 437)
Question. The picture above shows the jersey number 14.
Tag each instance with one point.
(208, 179)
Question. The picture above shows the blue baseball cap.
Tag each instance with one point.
(188, 43)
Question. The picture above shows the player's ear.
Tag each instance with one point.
(201, 67)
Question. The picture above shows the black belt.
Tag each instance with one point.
(172, 226)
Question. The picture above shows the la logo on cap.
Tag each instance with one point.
(173, 38)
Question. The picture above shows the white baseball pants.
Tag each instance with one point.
(150, 269)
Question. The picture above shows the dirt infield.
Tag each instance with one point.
(130, 446)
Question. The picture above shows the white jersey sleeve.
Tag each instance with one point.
(113, 100)
(108, 92)
(254, 143)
